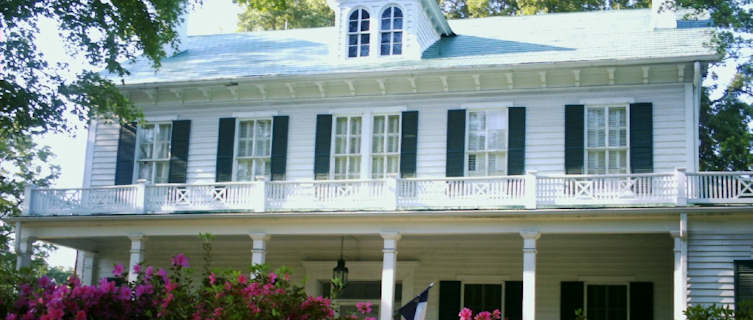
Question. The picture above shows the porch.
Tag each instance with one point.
(526, 261)
(529, 191)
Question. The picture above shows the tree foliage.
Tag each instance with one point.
(281, 15)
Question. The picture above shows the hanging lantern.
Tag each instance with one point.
(340, 272)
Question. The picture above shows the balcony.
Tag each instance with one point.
(530, 191)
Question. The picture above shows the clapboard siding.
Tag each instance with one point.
(559, 258)
(713, 246)
(544, 136)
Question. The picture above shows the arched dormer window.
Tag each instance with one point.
(358, 33)
(391, 39)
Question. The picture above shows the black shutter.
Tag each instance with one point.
(279, 155)
(179, 151)
(322, 146)
(516, 141)
(743, 281)
(574, 139)
(225, 146)
(513, 300)
(641, 138)
(126, 154)
(641, 301)
(449, 300)
(408, 144)
(571, 299)
(455, 143)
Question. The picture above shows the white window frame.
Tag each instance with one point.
(237, 140)
(391, 31)
(358, 33)
(333, 155)
(606, 283)
(138, 160)
(486, 151)
(606, 148)
(385, 154)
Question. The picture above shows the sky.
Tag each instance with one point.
(214, 16)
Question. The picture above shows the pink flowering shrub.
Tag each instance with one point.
(467, 314)
(163, 294)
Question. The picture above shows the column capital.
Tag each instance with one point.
(259, 236)
(390, 235)
(678, 234)
(530, 234)
(136, 236)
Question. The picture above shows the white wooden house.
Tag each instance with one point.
(536, 164)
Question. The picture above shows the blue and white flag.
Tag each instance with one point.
(416, 308)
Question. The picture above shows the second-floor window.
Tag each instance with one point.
(391, 32)
(606, 139)
(153, 152)
(358, 33)
(486, 154)
(347, 147)
(253, 149)
(385, 146)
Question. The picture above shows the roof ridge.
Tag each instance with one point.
(610, 11)
(258, 32)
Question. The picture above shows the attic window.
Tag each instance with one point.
(391, 42)
(358, 34)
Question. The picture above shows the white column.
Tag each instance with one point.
(137, 254)
(85, 267)
(258, 248)
(389, 271)
(680, 267)
(23, 247)
(366, 123)
(529, 273)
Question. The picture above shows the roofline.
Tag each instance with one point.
(435, 14)
(486, 67)
(519, 213)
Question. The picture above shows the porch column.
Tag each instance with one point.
(23, 247)
(680, 267)
(389, 268)
(85, 267)
(529, 273)
(137, 254)
(258, 248)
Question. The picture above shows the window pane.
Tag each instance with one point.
(497, 163)
(261, 167)
(340, 164)
(352, 51)
(387, 13)
(379, 124)
(354, 167)
(353, 26)
(164, 132)
(364, 14)
(341, 125)
(393, 163)
(364, 50)
(477, 164)
(145, 170)
(354, 15)
(392, 143)
(365, 25)
(355, 126)
(145, 150)
(398, 23)
(477, 121)
(384, 49)
(397, 48)
(163, 150)
(377, 167)
(339, 145)
(476, 141)
(161, 171)
(596, 162)
(244, 170)
(377, 145)
(394, 124)
(595, 131)
(386, 24)
(365, 38)
(355, 145)
(397, 36)
(398, 12)
(618, 161)
(352, 39)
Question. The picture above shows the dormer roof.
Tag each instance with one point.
(606, 37)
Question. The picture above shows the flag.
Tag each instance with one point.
(416, 308)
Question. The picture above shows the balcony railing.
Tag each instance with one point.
(529, 191)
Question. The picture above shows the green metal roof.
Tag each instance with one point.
(586, 37)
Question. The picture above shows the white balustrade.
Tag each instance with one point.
(197, 197)
(648, 189)
(720, 187)
(526, 191)
(75, 201)
(327, 195)
(459, 193)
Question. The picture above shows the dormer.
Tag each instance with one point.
(374, 30)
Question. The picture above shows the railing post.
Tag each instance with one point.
(390, 194)
(141, 195)
(260, 203)
(530, 189)
(681, 181)
(28, 193)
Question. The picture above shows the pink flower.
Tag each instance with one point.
(180, 260)
(497, 314)
(118, 270)
(485, 315)
(149, 271)
(137, 268)
(242, 279)
(370, 318)
(143, 289)
(364, 307)
(465, 314)
(11, 317)
(81, 315)
(171, 286)
(272, 277)
(212, 278)
(162, 273)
